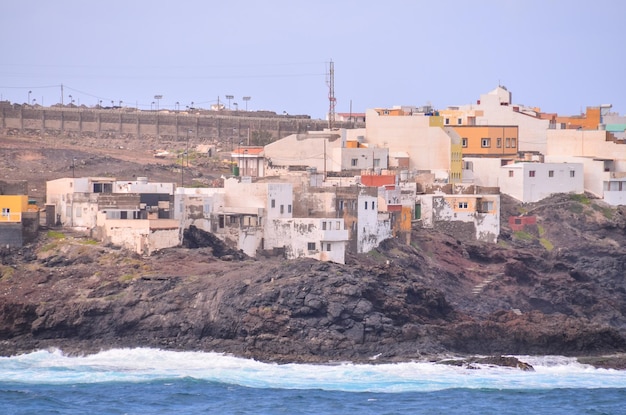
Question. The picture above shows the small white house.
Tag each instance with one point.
(530, 182)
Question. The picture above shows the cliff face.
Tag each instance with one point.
(557, 288)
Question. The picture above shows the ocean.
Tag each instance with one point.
(149, 381)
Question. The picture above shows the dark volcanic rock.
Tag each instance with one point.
(400, 302)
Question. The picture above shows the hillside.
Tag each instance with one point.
(556, 288)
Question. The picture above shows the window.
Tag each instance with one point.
(499, 142)
(310, 246)
(531, 173)
(366, 205)
(288, 208)
(282, 208)
(323, 226)
(550, 173)
(376, 162)
(572, 173)
(507, 142)
(273, 203)
(328, 247)
(485, 142)
(354, 162)
(341, 205)
(459, 121)
(373, 206)
(447, 121)
(511, 173)
(513, 142)
(6, 211)
(338, 225)
(464, 142)
(462, 205)
(486, 206)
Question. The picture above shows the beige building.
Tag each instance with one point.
(419, 137)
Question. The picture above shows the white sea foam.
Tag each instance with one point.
(145, 365)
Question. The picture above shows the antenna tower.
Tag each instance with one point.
(331, 95)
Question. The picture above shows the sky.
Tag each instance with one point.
(558, 55)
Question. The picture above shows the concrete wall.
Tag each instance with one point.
(11, 235)
(485, 171)
(584, 144)
(225, 127)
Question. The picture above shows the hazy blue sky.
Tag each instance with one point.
(558, 55)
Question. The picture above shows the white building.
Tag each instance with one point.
(323, 239)
(471, 216)
(603, 158)
(530, 182)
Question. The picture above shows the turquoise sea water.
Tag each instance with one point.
(148, 381)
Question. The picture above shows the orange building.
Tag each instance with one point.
(488, 140)
(588, 121)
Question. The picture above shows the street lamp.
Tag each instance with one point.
(229, 97)
(71, 100)
(157, 98)
(246, 99)
(177, 106)
(29, 92)
(236, 106)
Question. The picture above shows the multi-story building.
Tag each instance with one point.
(530, 182)
(420, 138)
(496, 108)
(602, 155)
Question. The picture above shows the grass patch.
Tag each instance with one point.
(49, 247)
(523, 235)
(607, 212)
(546, 244)
(576, 208)
(127, 277)
(55, 235)
(580, 198)
(375, 254)
(6, 272)
(89, 241)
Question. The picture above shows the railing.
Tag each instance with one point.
(11, 217)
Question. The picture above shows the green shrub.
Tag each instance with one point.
(546, 244)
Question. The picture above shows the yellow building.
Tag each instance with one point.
(12, 207)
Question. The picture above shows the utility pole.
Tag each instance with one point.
(331, 95)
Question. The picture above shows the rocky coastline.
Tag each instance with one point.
(435, 299)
